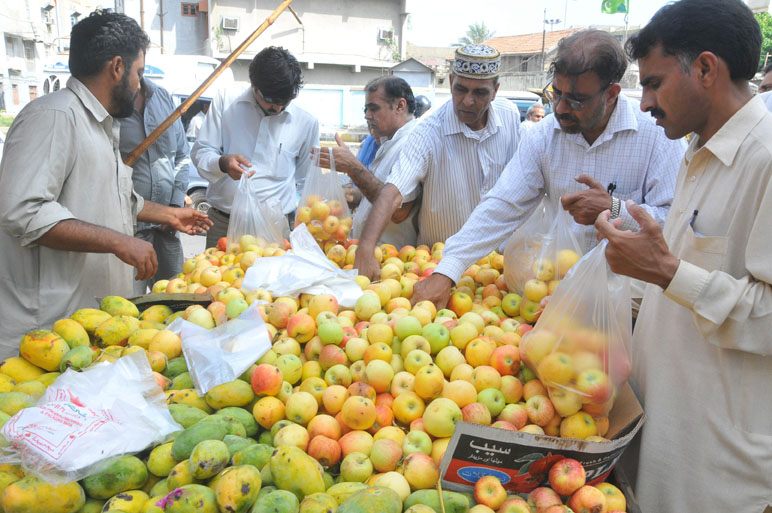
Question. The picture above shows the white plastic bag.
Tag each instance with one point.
(224, 353)
(543, 248)
(253, 221)
(323, 207)
(304, 269)
(581, 345)
(85, 419)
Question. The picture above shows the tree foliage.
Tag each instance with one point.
(765, 21)
(476, 34)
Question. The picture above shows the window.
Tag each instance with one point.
(15, 89)
(189, 9)
(29, 50)
(33, 92)
(524, 63)
(13, 47)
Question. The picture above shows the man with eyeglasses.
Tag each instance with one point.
(594, 152)
(260, 132)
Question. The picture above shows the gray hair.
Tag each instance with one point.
(533, 107)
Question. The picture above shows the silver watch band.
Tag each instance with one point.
(616, 205)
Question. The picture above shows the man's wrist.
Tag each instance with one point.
(220, 164)
(668, 270)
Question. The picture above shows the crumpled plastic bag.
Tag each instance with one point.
(253, 221)
(222, 354)
(304, 269)
(86, 419)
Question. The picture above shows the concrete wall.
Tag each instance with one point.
(184, 35)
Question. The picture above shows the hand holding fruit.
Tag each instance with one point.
(644, 254)
(342, 158)
(188, 220)
(585, 206)
(435, 288)
(235, 165)
(366, 263)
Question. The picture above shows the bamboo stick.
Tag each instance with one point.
(132, 157)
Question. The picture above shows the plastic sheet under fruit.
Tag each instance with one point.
(86, 419)
(222, 354)
(304, 269)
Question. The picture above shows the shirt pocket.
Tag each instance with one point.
(708, 252)
(284, 164)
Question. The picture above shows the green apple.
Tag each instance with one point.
(406, 326)
(437, 335)
(234, 307)
(493, 399)
(330, 333)
(416, 441)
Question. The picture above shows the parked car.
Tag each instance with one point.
(197, 189)
(523, 100)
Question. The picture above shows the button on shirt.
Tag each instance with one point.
(278, 147)
(455, 164)
(632, 152)
(160, 174)
(61, 161)
(398, 234)
(702, 351)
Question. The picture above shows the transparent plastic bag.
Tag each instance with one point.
(580, 347)
(323, 207)
(252, 221)
(86, 419)
(224, 353)
(544, 248)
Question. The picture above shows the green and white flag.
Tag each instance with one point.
(615, 6)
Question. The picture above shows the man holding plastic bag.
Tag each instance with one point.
(594, 152)
(258, 131)
(702, 346)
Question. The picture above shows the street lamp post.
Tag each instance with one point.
(552, 22)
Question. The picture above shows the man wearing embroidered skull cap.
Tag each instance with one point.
(456, 156)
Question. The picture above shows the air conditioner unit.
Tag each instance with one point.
(385, 34)
(47, 18)
(230, 23)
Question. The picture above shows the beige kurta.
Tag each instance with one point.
(702, 350)
(60, 161)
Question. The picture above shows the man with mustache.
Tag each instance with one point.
(389, 108)
(260, 131)
(65, 194)
(595, 151)
(455, 156)
(701, 348)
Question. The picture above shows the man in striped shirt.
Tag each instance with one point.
(456, 155)
(596, 151)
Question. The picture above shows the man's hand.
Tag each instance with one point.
(137, 253)
(435, 288)
(366, 263)
(643, 254)
(188, 220)
(585, 206)
(344, 160)
(235, 166)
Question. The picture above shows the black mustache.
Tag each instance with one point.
(656, 112)
(567, 117)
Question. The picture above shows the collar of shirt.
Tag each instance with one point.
(623, 118)
(248, 96)
(388, 143)
(88, 99)
(453, 125)
(726, 142)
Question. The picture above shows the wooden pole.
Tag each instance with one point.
(132, 157)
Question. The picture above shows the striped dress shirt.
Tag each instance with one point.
(455, 165)
(632, 153)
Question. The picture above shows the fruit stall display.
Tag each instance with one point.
(350, 410)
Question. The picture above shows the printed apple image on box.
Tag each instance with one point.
(522, 461)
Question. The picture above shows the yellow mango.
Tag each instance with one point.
(13, 469)
(187, 396)
(32, 388)
(12, 402)
(20, 369)
(6, 383)
(132, 349)
(166, 342)
(142, 337)
(131, 501)
(155, 313)
(72, 332)
(150, 505)
(237, 487)
(92, 506)
(116, 305)
(90, 318)
(48, 378)
(146, 325)
(31, 494)
(116, 331)
(235, 393)
(43, 348)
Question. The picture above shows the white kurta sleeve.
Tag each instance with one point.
(37, 158)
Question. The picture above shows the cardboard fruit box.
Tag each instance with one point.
(174, 301)
(522, 461)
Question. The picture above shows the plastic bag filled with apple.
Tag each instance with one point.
(323, 207)
(254, 222)
(540, 253)
(580, 346)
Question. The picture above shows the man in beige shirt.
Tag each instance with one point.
(702, 346)
(65, 195)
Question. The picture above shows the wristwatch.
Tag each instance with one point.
(616, 204)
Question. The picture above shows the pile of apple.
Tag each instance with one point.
(567, 493)
(327, 220)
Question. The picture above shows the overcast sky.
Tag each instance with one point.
(443, 22)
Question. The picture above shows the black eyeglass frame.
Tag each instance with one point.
(574, 105)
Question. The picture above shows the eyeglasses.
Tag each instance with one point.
(275, 101)
(555, 98)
